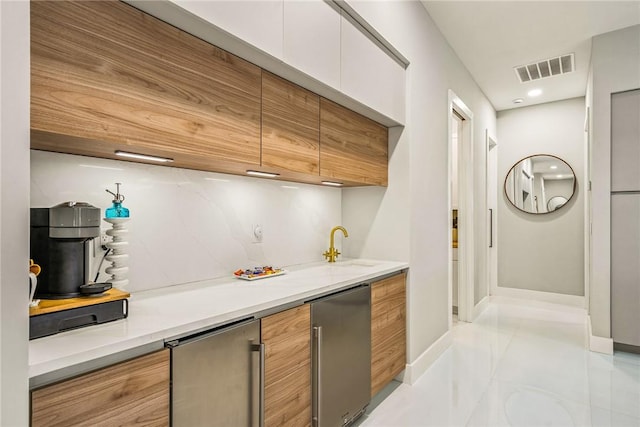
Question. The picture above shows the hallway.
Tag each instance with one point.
(521, 363)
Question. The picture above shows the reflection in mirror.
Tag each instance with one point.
(540, 184)
(556, 202)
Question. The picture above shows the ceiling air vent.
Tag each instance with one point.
(542, 69)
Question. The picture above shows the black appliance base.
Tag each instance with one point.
(64, 320)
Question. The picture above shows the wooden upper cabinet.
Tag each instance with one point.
(353, 148)
(131, 393)
(287, 380)
(109, 77)
(290, 126)
(388, 330)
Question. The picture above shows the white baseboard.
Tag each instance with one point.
(570, 300)
(599, 344)
(480, 307)
(414, 370)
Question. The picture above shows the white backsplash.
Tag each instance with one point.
(190, 225)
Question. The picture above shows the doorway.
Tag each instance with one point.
(457, 122)
(461, 262)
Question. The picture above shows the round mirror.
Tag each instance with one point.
(540, 184)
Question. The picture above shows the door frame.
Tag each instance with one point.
(491, 194)
(465, 211)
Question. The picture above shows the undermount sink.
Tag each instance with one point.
(356, 263)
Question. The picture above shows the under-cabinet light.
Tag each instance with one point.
(262, 174)
(332, 184)
(143, 157)
(101, 167)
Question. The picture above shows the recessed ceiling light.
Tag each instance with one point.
(262, 174)
(332, 184)
(553, 167)
(558, 176)
(142, 156)
(289, 187)
(518, 101)
(534, 92)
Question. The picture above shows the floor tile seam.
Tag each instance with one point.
(504, 353)
(492, 378)
(477, 403)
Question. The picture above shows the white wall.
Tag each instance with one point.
(409, 220)
(190, 225)
(615, 67)
(542, 252)
(14, 212)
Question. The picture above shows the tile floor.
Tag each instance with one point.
(521, 363)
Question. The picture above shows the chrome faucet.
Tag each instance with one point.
(333, 253)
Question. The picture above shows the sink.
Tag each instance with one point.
(356, 263)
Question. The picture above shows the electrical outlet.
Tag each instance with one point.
(256, 233)
(104, 239)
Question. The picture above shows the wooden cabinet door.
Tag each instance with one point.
(353, 148)
(108, 77)
(388, 330)
(290, 126)
(131, 393)
(287, 339)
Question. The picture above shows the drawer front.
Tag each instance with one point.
(135, 392)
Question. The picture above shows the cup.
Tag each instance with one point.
(34, 268)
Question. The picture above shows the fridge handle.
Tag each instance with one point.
(261, 351)
(317, 371)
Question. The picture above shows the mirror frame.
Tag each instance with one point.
(573, 190)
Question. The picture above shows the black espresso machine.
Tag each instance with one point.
(61, 244)
(61, 240)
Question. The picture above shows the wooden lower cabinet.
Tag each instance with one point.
(287, 339)
(131, 393)
(388, 330)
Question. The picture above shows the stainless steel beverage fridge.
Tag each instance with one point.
(216, 377)
(341, 356)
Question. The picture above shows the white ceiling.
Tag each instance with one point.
(493, 37)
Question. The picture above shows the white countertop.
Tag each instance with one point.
(165, 313)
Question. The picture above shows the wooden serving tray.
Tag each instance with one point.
(53, 305)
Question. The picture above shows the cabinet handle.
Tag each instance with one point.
(317, 372)
(260, 349)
